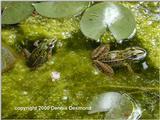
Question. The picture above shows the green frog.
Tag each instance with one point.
(104, 59)
(41, 53)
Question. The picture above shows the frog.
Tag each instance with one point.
(105, 60)
(40, 54)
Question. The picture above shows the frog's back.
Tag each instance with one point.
(37, 58)
(114, 58)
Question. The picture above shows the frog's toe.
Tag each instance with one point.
(128, 67)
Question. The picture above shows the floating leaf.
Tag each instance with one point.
(104, 102)
(15, 12)
(119, 20)
(4, 4)
(116, 106)
(60, 9)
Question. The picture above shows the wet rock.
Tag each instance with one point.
(8, 59)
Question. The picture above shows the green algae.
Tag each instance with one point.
(9, 35)
(79, 79)
(36, 27)
(149, 37)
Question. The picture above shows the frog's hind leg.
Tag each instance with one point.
(100, 50)
(105, 68)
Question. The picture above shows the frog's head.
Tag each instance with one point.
(136, 53)
(45, 44)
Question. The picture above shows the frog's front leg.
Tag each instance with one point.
(51, 46)
(128, 67)
(50, 54)
(26, 53)
(105, 68)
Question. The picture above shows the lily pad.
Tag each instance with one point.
(60, 9)
(117, 18)
(15, 12)
(8, 59)
(4, 4)
(116, 106)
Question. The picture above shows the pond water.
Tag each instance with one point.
(77, 81)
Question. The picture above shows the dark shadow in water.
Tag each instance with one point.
(79, 42)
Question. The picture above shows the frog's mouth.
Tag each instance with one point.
(139, 56)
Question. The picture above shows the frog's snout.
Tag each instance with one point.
(139, 54)
(140, 57)
(54, 41)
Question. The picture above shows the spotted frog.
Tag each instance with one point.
(41, 53)
(104, 59)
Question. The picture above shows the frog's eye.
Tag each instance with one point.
(37, 43)
(134, 56)
(51, 45)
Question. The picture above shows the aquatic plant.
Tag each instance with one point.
(108, 15)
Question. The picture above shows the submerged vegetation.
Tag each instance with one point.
(78, 81)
